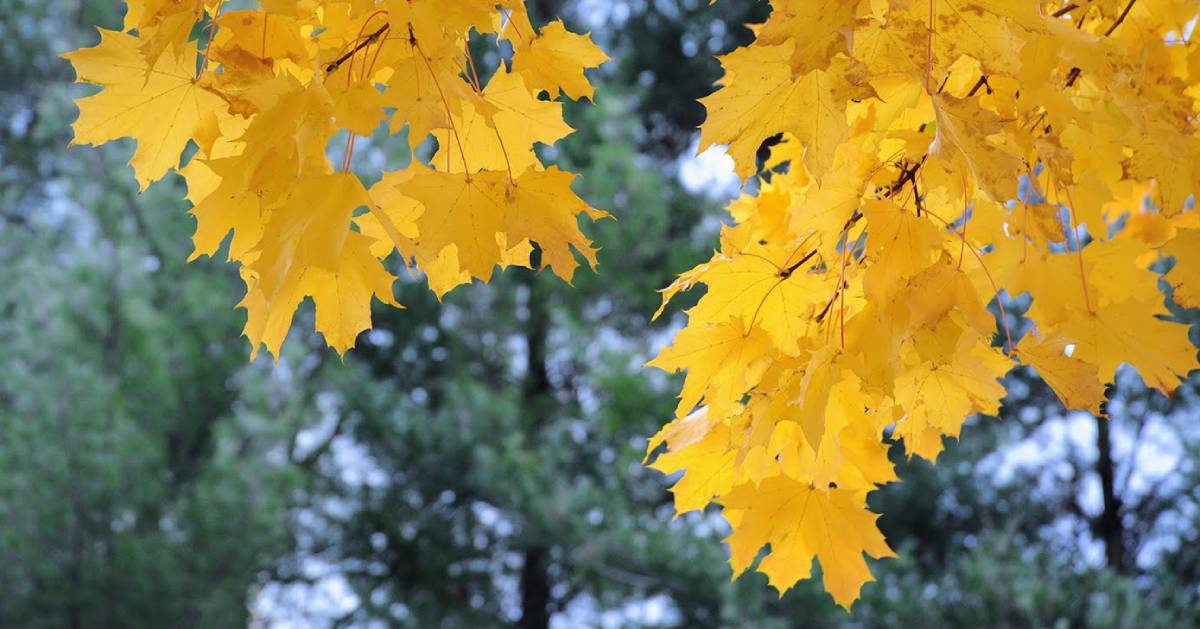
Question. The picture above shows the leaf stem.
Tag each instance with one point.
(991, 280)
(212, 31)
(390, 229)
(364, 45)
(445, 104)
(963, 235)
(929, 52)
(842, 290)
(1087, 300)
(479, 90)
(791, 269)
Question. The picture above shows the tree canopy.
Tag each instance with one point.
(478, 457)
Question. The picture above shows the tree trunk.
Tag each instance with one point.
(535, 590)
(542, 11)
(1109, 527)
(73, 597)
(538, 404)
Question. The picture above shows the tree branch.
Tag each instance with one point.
(1073, 75)
(1120, 18)
(370, 39)
(1065, 10)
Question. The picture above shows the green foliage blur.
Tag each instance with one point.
(477, 462)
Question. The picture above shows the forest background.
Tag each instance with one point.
(478, 462)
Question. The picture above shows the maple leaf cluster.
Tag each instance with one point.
(275, 87)
(930, 155)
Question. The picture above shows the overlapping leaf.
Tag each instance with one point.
(932, 155)
(276, 89)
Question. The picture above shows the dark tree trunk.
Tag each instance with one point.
(1110, 527)
(73, 607)
(542, 11)
(536, 389)
(538, 403)
(535, 590)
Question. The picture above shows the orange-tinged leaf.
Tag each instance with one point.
(818, 29)
(965, 133)
(1077, 383)
(1128, 332)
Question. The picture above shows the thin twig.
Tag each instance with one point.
(1073, 75)
(1065, 10)
(370, 39)
(982, 82)
(1120, 18)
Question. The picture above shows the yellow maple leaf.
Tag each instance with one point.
(818, 29)
(1185, 275)
(308, 230)
(466, 211)
(1129, 332)
(414, 95)
(504, 139)
(541, 207)
(939, 396)
(682, 431)
(904, 245)
(160, 107)
(555, 60)
(707, 463)
(802, 522)
(935, 161)
(1077, 383)
(163, 24)
(480, 213)
(393, 219)
(963, 133)
(359, 109)
(765, 287)
(274, 88)
(761, 97)
(812, 395)
(342, 295)
(725, 361)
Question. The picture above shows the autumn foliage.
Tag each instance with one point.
(933, 155)
(272, 91)
(926, 160)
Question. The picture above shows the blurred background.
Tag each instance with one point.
(477, 462)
